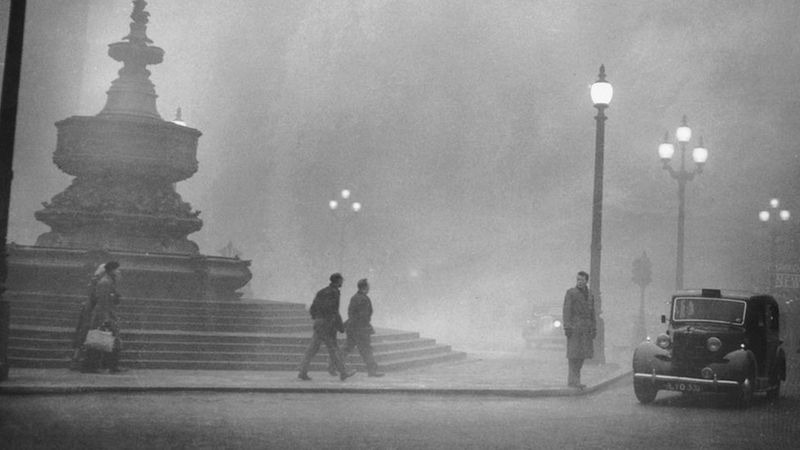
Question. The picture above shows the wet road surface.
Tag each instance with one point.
(609, 419)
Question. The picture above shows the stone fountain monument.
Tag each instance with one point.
(122, 203)
(177, 311)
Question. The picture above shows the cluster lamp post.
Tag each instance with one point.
(700, 154)
(343, 216)
(780, 215)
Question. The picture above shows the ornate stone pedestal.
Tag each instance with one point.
(122, 203)
(150, 275)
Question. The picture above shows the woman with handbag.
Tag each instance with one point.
(104, 318)
(82, 327)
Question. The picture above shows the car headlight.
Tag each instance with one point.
(713, 344)
(557, 323)
(663, 341)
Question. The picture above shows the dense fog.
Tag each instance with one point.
(466, 131)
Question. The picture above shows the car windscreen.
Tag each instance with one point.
(708, 310)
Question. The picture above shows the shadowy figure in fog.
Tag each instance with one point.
(105, 300)
(84, 319)
(359, 329)
(580, 328)
(327, 322)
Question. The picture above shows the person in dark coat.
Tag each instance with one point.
(84, 317)
(359, 329)
(104, 316)
(580, 328)
(327, 322)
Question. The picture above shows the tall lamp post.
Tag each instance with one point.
(601, 93)
(700, 154)
(766, 217)
(641, 275)
(343, 215)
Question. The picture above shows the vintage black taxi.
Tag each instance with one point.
(716, 341)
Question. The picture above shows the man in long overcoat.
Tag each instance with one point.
(327, 322)
(359, 329)
(580, 328)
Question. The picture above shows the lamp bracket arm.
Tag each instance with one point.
(672, 172)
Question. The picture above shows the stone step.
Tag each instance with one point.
(59, 319)
(67, 302)
(199, 335)
(61, 345)
(276, 327)
(399, 364)
(73, 310)
(232, 305)
(296, 356)
(301, 338)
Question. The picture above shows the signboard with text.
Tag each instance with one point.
(787, 276)
(786, 284)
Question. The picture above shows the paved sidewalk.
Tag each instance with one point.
(525, 374)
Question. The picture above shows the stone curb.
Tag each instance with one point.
(519, 393)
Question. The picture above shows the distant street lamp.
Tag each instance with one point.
(601, 93)
(343, 215)
(700, 154)
(773, 219)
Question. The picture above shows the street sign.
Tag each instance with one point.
(787, 280)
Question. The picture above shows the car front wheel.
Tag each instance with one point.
(775, 392)
(745, 394)
(645, 391)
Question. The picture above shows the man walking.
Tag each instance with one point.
(580, 328)
(327, 322)
(359, 329)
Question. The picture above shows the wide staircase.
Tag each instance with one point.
(199, 335)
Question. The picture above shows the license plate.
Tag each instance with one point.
(683, 387)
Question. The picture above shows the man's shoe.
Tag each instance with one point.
(347, 374)
(376, 374)
(304, 376)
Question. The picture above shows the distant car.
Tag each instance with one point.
(544, 329)
(716, 341)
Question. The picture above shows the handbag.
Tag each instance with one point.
(99, 340)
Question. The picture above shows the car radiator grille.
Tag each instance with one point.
(690, 352)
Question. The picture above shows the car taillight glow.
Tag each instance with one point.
(663, 341)
(557, 323)
(713, 344)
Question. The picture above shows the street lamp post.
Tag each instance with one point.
(343, 216)
(642, 275)
(700, 154)
(601, 93)
(766, 217)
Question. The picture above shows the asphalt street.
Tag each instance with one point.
(611, 418)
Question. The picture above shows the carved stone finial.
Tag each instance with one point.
(133, 93)
(138, 34)
(178, 119)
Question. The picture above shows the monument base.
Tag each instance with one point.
(149, 275)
